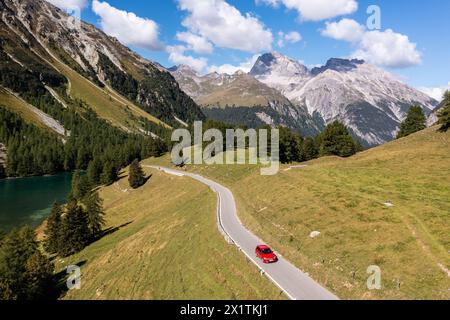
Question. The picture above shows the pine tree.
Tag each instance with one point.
(53, 230)
(74, 231)
(94, 210)
(136, 177)
(2, 171)
(80, 186)
(290, 146)
(16, 250)
(309, 149)
(39, 277)
(336, 140)
(94, 172)
(109, 173)
(414, 122)
(444, 113)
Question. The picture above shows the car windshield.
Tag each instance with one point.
(266, 251)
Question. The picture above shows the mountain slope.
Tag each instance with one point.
(30, 113)
(101, 59)
(164, 245)
(433, 118)
(241, 99)
(346, 200)
(369, 100)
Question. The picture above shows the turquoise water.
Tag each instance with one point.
(28, 201)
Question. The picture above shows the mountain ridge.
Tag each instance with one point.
(369, 100)
(99, 58)
(231, 98)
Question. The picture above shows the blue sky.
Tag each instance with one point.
(225, 35)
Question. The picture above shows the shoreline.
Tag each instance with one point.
(35, 176)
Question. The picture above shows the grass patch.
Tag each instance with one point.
(21, 108)
(167, 247)
(107, 103)
(344, 200)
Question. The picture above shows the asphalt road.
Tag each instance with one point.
(296, 284)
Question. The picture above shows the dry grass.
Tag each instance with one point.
(344, 200)
(21, 108)
(107, 103)
(167, 248)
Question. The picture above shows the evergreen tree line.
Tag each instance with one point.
(35, 151)
(26, 270)
(416, 119)
(29, 79)
(71, 228)
(26, 273)
(334, 140)
(31, 150)
(158, 93)
(444, 113)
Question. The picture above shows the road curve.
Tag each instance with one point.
(295, 284)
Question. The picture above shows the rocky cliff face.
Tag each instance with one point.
(241, 99)
(369, 100)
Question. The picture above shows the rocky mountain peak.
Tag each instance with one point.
(276, 63)
(182, 68)
(337, 64)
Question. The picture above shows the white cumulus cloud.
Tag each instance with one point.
(346, 29)
(436, 93)
(127, 27)
(245, 66)
(316, 10)
(223, 25)
(178, 56)
(385, 48)
(69, 4)
(195, 43)
(291, 37)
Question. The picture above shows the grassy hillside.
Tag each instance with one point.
(104, 101)
(243, 91)
(20, 107)
(345, 200)
(107, 103)
(167, 246)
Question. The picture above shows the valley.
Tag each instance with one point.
(88, 118)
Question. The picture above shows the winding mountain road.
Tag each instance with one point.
(293, 282)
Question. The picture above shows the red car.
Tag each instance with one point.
(266, 254)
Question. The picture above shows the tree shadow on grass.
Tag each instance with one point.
(110, 231)
(60, 288)
(147, 178)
